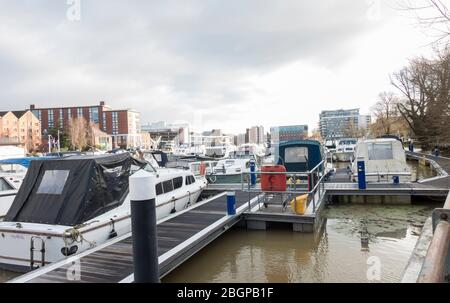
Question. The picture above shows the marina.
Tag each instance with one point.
(155, 142)
(187, 233)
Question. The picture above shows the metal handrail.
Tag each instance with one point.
(436, 265)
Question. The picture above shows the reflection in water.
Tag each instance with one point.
(339, 253)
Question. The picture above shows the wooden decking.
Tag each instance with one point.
(179, 237)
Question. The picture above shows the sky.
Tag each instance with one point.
(214, 64)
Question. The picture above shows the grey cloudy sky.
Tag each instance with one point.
(217, 64)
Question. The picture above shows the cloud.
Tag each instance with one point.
(171, 59)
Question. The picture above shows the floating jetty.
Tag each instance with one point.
(183, 234)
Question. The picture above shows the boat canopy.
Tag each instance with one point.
(25, 162)
(300, 155)
(74, 190)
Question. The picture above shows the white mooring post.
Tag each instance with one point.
(143, 226)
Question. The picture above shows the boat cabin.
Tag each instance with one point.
(300, 156)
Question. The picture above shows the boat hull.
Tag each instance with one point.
(15, 243)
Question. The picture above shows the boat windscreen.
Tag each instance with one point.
(380, 151)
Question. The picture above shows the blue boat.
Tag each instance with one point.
(300, 155)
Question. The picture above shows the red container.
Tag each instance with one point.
(273, 182)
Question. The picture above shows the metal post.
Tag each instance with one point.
(143, 226)
(361, 174)
(231, 203)
(253, 172)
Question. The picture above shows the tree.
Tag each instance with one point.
(434, 16)
(424, 85)
(386, 112)
(78, 133)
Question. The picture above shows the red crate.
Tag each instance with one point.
(273, 182)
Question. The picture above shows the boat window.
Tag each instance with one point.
(229, 162)
(53, 182)
(5, 185)
(157, 157)
(296, 154)
(177, 182)
(380, 151)
(190, 180)
(159, 190)
(167, 186)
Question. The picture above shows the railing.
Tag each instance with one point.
(436, 267)
(384, 176)
(314, 178)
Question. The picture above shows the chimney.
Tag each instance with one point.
(32, 107)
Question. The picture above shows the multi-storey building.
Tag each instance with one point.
(20, 128)
(288, 133)
(124, 126)
(256, 135)
(337, 123)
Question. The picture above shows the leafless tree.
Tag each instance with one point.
(433, 16)
(424, 85)
(386, 111)
(78, 133)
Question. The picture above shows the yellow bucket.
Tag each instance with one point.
(298, 204)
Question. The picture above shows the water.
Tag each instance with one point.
(340, 253)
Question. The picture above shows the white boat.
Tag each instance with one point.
(70, 205)
(194, 167)
(12, 173)
(230, 170)
(221, 151)
(9, 152)
(384, 159)
(8, 191)
(345, 150)
(258, 150)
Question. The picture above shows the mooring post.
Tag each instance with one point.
(253, 172)
(361, 173)
(143, 227)
(231, 203)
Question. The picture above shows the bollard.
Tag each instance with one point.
(253, 172)
(143, 227)
(231, 203)
(396, 179)
(361, 174)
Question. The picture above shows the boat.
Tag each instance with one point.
(69, 205)
(9, 152)
(195, 167)
(220, 151)
(258, 150)
(301, 155)
(384, 159)
(230, 170)
(345, 150)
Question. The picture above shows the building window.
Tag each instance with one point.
(79, 112)
(61, 119)
(51, 120)
(115, 123)
(69, 114)
(104, 121)
(93, 115)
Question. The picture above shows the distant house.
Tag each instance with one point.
(20, 128)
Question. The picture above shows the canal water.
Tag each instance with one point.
(341, 252)
(357, 244)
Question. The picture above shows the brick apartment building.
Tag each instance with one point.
(20, 128)
(124, 126)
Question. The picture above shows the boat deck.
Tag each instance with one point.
(179, 237)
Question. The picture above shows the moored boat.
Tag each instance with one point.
(67, 206)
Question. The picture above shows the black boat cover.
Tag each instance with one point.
(74, 190)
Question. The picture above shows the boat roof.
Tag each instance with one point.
(24, 161)
(71, 191)
(300, 142)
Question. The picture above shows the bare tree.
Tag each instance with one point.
(424, 85)
(433, 16)
(78, 133)
(386, 111)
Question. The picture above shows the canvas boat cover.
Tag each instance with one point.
(74, 190)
